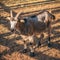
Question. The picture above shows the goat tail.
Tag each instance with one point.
(52, 16)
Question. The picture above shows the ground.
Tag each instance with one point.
(11, 44)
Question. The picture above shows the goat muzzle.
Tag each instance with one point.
(12, 30)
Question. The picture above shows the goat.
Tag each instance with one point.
(31, 27)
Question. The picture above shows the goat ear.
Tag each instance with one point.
(22, 21)
(8, 18)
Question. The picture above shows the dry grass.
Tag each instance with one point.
(11, 44)
(15, 2)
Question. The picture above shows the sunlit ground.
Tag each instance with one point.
(11, 44)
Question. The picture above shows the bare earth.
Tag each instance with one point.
(11, 45)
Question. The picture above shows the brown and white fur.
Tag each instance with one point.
(31, 27)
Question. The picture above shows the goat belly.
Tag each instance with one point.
(39, 26)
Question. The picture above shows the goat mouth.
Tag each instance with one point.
(15, 31)
(12, 30)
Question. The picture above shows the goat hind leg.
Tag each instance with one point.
(39, 40)
(25, 47)
(49, 34)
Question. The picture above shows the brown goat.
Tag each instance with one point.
(31, 27)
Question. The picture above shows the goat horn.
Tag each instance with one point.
(11, 13)
(17, 15)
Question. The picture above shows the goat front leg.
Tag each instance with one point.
(32, 50)
(31, 46)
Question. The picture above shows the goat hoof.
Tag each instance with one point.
(39, 44)
(25, 50)
(49, 45)
(32, 54)
(0, 54)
